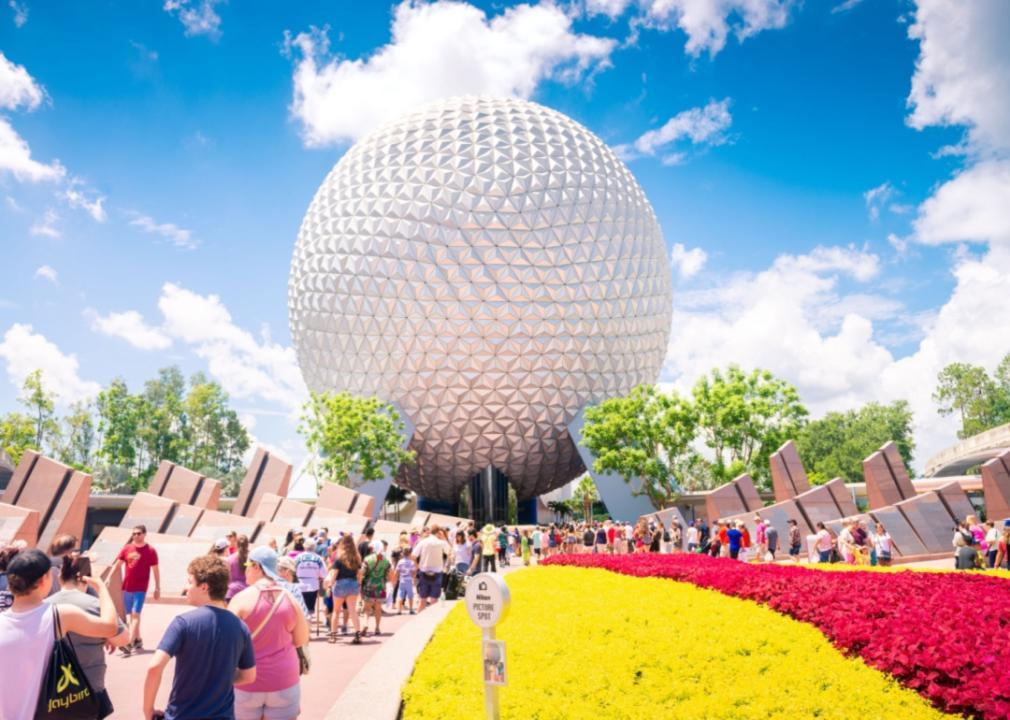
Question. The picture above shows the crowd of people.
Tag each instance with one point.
(242, 649)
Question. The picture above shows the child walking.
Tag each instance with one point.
(406, 575)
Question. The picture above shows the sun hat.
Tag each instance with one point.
(266, 558)
(29, 565)
(286, 563)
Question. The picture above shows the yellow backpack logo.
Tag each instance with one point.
(68, 677)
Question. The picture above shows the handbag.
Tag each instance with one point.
(65, 693)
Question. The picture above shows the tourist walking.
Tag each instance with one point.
(693, 538)
(277, 626)
(138, 560)
(771, 539)
(734, 540)
(795, 541)
(404, 582)
(28, 630)
(883, 546)
(236, 566)
(524, 547)
(760, 537)
(823, 543)
(430, 553)
(375, 572)
(991, 543)
(212, 648)
(311, 570)
(345, 587)
(488, 539)
(74, 568)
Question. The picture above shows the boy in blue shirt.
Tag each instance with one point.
(212, 648)
(406, 572)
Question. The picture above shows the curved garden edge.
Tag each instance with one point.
(370, 694)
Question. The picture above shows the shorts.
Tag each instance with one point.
(794, 550)
(373, 593)
(274, 705)
(346, 587)
(429, 588)
(406, 591)
(133, 602)
(536, 551)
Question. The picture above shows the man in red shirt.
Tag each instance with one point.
(138, 560)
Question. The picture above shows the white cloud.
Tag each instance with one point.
(793, 319)
(129, 326)
(611, 8)
(20, 12)
(46, 225)
(437, 50)
(708, 23)
(198, 18)
(16, 158)
(962, 75)
(18, 89)
(687, 263)
(46, 272)
(178, 236)
(845, 6)
(25, 351)
(78, 199)
(701, 126)
(973, 206)
(245, 367)
(877, 197)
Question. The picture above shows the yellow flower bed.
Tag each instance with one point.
(587, 643)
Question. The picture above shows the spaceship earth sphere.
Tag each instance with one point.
(491, 266)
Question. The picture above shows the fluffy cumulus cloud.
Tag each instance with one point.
(19, 91)
(24, 351)
(178, 236)
(792, 318)
(198, 18)
(687, 263)
(129, 326)
(698, 126)
(707, 23)
(437, 50)
(247, 367)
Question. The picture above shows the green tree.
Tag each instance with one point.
(118, 425)
(41, 406)
(744, 417)
(216, 438)
(162, 423)
(17, 434)
(836, 445)
(586, 495)
(79, 435)
(969, 391)
(642, 435)
(351, 435)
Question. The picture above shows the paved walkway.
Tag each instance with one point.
(333, 666)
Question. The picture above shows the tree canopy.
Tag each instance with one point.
(836, 445)
(979, 400)
(353, 436)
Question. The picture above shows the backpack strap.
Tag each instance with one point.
(273, 609)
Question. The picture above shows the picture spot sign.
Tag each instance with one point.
(487, 599)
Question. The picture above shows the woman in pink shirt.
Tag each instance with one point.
(278, 627)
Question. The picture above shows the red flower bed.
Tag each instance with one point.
(946, 635)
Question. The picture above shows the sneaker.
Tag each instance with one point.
(412, 611)
(343, 629)
(137, 645)
(126, 650)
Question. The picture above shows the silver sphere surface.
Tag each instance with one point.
(491, 266)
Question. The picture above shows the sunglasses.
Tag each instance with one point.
(137, 534)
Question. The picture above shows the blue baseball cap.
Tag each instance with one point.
(266, 558)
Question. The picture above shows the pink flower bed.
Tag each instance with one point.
(946, 635)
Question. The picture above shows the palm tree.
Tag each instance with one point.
(586, 494)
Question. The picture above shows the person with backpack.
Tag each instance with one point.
(375, 572)
(277, 627)
(431, 554)
(28, 630)
(74, 567)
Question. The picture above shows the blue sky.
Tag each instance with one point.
(831, 184)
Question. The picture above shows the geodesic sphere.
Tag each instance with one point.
(491, 266)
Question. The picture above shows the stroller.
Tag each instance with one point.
(454, 585)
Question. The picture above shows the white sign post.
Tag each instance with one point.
(487, 601)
